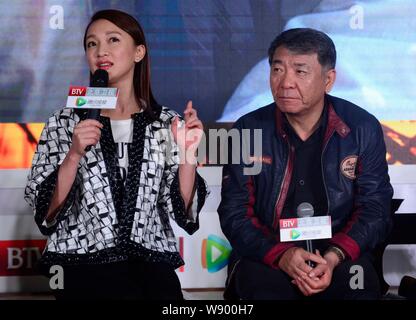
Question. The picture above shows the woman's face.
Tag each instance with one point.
(112, 49)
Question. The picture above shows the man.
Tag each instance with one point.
(317, 149)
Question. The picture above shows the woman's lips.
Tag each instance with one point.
(104, 65)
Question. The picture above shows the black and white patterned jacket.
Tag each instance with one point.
(102, 219)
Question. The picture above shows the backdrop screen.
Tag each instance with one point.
(213, 52)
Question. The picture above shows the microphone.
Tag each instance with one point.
(98, 80)
(305, 210)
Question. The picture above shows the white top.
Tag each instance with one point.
(123, 136)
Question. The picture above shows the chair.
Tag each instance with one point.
(401, 233)
(379, 251)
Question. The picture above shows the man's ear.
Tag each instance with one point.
(330, 77)
(140, 53)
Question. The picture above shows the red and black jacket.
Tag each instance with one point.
(355, 176)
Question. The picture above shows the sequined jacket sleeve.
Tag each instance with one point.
(54, 143)
(170, 198)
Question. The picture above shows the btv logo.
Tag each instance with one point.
(214, 254)
(80, 102)
(294, 234)
(18, 257)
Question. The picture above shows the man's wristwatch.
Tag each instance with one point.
(340, 254)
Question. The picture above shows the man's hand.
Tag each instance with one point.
(319, 278)
(294, 262)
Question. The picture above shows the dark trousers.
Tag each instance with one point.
(120, 280)
(257, 281)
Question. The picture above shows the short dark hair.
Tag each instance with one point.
(306, 41)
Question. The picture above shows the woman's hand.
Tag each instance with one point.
(188, 137)
(86, 133)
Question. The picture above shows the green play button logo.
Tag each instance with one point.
(214, 254)
(80, 101)
(294, 234)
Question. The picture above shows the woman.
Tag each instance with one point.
(106, 211)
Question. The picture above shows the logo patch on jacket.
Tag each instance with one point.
(348, 167)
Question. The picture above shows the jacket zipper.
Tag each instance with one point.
(322, 171)
(232, 272)
(281, 189)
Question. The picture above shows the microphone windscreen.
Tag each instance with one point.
(304, 210)
(99, 79)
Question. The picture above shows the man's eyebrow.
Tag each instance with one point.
(301, 64)
(296, 64)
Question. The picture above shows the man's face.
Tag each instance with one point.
(298, 82)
